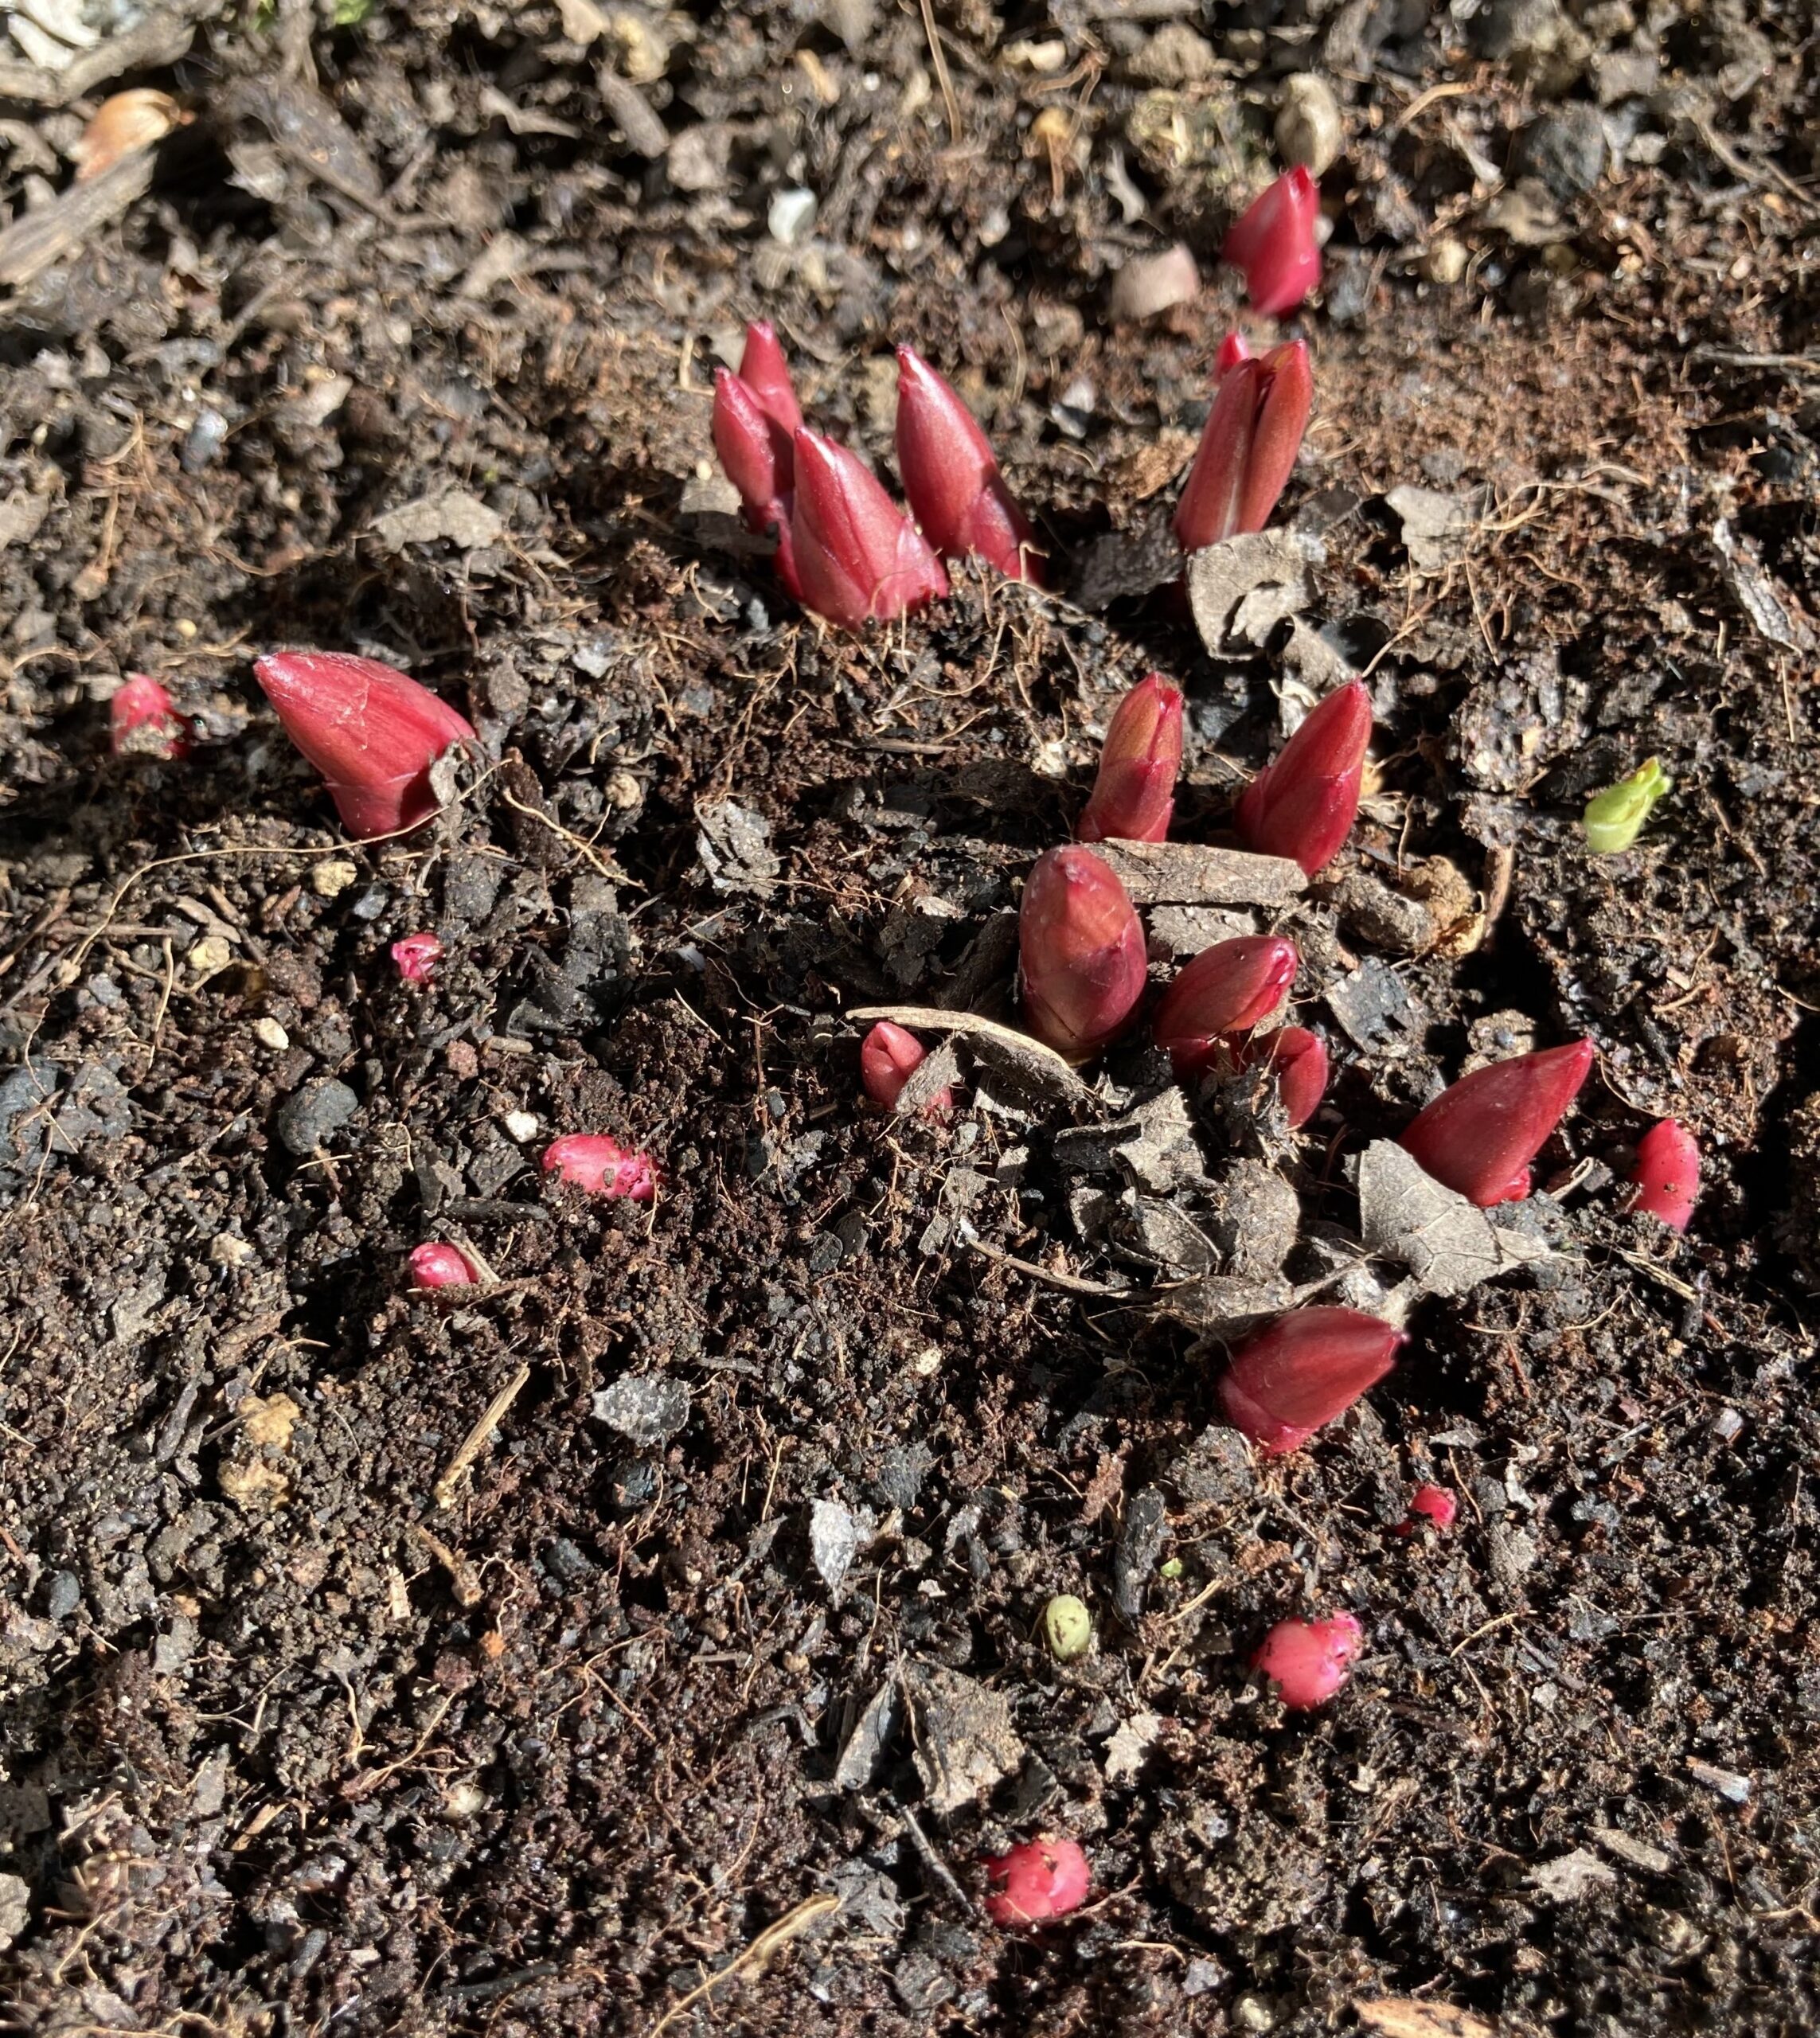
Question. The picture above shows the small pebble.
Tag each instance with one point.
(332, 877)
(270, 1034)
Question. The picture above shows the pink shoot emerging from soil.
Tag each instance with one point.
(1036, 1880)
(1309, 1660)
(889, 1055)
(1226, 990)
(144, 722)
(755, 450)
(1134, 793)
(371, 731)
(417, 956)
(1667, 1174)
(1274, 243)
(592, 1161)
(1302, 1370)
(1431, 1503)
(1080, 950)
(1302, 803)
(951, 477)
(1248, 450)
(1300, 1060)
(440, 1267)
(1479, 1136)
(857, 558)
(765, 371)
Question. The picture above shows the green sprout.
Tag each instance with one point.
(1067, 1627)
(1614, 818)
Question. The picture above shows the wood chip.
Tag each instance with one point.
(1404, 2016)
(40, 240)
(1197, 874)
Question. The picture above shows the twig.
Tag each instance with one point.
(790, 1926)
(942, 78)
(442, 1493)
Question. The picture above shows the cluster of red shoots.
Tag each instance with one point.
(847, 553)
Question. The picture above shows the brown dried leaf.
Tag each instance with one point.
(122, 125)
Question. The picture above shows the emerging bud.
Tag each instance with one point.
(1067, 1627)
(1300, 1060)
(755, 450)
(1614, 818)
(144, 722)
(857, 556)
(441, 1267)
(1302, 803)
(417, 956)
(1134, 793)
(1309, 1660)
(1274, 243)
(950, 475)
(888, 1057)
(1428, 1503)
(1302, 1371)
(1081, 950)
(1232, 350)
(1480, 1135)
(1667, 1174)
(1227, 989)
(371, 733)
(1248, 450)
(765, 373)
(602, 1166)
(1036, 1880)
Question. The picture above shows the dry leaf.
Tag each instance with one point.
(1446, 1242)
(1402, 2017)
(269, 1420)
(123, 125)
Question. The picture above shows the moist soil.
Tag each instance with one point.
(649, 1638)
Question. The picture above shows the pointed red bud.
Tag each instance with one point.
(1248, 450)
(144, 722)
(952, 480)
(417, 956)
(888, 1057)
(1302, 1371)
(1233, 348)
(602, 1166)
(1080, 949)
(1309, 1660)
(1227, 989)
(1302, 804)
(441, 1267)
(1135, 794)
(371, 733)
(766, 373)
(1274, 243)
(1480, 1135)
(1429, 1503)
(1036, 1880)
(754, 450)
(1667, 1174)
(1300, 1060)
(857, 556)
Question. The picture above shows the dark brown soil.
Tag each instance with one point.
(304, 1734)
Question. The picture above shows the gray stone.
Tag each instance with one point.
(310, 1116)
(649, 1408)
(1565, 149)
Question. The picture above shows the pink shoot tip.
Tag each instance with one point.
(856, 556)
(1134, 793)
(1036, 1880)
(889, 1055)
(1274, 242)
(1302, 804)
(144, 722)
(1249, 447)
(951, 477)
(1479, 1136)
(441, 1267)
(1302, 1371)
(1667, 1174)
(1225, 991)
(417, 957)
(1081, 952)
(592, 1161)
(1309, 1660)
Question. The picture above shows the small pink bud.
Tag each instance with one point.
(417, 956)
(602, 1166)
(1309, 1660)
(1135, 794)
(1248, 450)
(951, 478)
(373, 733)
(1226, 989)
(888, 1057)
(1303, 802)
(755, 450)
(1434, 1504)
(1274, 243)
(144, 722)
(1036, 1880)
(1300, 1372)
(1233, 349)
(1300, 1060)
(857, 556)
(441, 1267)
(1667, 1174)
(1080, 949)
(765, 373)
(1479, 1136)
